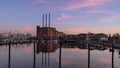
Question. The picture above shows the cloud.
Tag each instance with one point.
(86, 29)
(40, 1)
(74, 30)
(86, 3)
(74, 4)
(63, 17)
(110, 18)
(98, 10)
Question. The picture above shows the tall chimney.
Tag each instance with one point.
(46, 21)
(49, 20)
(43, 20)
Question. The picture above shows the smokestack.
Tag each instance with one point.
(43, 20)
(49, 20)
(46, 21)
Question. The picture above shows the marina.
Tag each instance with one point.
(59, 34)
(45, 55)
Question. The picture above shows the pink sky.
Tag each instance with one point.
(69, 16)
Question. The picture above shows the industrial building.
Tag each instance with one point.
(46, 32)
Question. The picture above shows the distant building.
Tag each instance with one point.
(18, 36)
(102, 37)
(84, 36)
(92, 37)
(116, 38)
(46, 32)
(14, 36)
(69, 38)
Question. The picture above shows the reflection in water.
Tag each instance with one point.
(47, 48)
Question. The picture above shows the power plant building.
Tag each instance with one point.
(47, 32)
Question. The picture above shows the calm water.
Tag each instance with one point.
(49, 55)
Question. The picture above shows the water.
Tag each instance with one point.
(55, 56)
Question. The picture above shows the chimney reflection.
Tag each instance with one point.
(46, 47)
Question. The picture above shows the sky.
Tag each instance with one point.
(69, 16)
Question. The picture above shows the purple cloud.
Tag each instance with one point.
(110, 18)
(63, 17)
(40, 1)
(86, 3)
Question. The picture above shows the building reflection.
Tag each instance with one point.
(46, 47)
(68, 45)
(118, 52)
(92, 47)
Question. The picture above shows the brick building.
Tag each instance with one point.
(47, 32)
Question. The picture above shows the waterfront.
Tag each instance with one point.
(52, 55)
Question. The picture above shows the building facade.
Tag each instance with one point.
(45, 33)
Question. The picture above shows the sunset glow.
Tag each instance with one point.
(70, 16)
